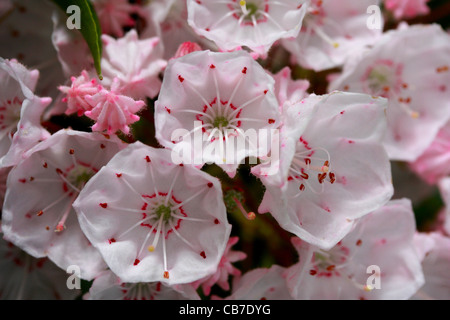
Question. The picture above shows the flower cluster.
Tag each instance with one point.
(231, 149)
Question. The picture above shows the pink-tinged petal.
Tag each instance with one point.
(38, 215)
(135, 63)
(148, 217)
(287, 89)
(380, 246)
(29, 130)
(434, 249)
(107, 286)
(112, 112)
(332, 31)
(418, 106)
(333, 167)
(261, 284)
(444, 187)
(407, 9)
(167, 19)
(23, 277)
(220, 98)
(224, 269)
(254, 24)
(75, 95)
(434, 163)
(115, 15)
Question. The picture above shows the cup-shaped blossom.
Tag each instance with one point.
(37, 213)
(434, 163)
(20, 111)
(434, 251)
(224, 270)
(115, 15)
(376, 260)
(407, 9)
(332, 31)
(153, 220)
(135, 63)
(261, 284)
(409, 66)
(108, 286)
(333, 167)
(256, 24)
(214, 107)
(23, 277)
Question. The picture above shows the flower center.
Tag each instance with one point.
(220, 122)
(10, 114)
(163, 211)
(79, 176)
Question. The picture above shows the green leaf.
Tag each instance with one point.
(89, 28)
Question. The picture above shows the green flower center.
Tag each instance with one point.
(163, 211)
(220, 122)
(79, 176)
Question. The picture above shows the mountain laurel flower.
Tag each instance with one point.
(332, 31)
(153, 220)
(214, 106)
(81, 87)
(135, 63)
(434, 163)
(444, 188)
(37, 213)
(418, 106)
(255, 24)
(376, 260)
(20, 111)
(115, 15)
(333, 167)
(261, 284)
(407, 9)
(108, 286)
(287, 89)
(434, 250)
(23, 277)
(224, 269)
(112, 111)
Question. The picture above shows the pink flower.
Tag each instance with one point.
(114, 15)
(23, 277)
(224, 269)
(261, 284)
(112, 111)
(185, 48)
(107, 286)
(81, 87)
(37, 213)
(221, 97)
(418, 105)
(254, 24)
(135, 63)
(376, 260)
(332, 31)
(406, 9)
(167, 19)
(333, 168)
(153, 220)
(20, 112)
(287, 89)
(434, 249)
(434, 163)
(444, 188)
